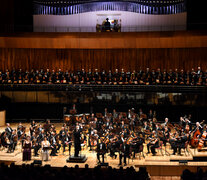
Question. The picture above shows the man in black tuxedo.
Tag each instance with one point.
(8, 130)
(101, 150)
(77, 141)
(124, 152)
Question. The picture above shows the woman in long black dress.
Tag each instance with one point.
(27, 145)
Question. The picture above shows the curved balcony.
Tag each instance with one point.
(68, 7)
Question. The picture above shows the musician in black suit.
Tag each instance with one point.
(198, 127)
(77, 141)
(124, 152)
(154, 143)
(101, 150)
(8, 130)
(66, 141)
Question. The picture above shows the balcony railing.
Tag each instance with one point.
(103, 88)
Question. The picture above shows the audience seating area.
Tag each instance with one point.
(193, 77)
(47, 172)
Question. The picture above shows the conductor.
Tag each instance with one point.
(77, 141)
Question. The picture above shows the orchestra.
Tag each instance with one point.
(112, 134)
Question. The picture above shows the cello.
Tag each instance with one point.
(202, 140)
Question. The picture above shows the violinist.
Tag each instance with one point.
(124, 152)
(8, 130)
(154, 122)
(173, 142)
(166, 136)
(35, 144)
(178, 142)
(154, 143)
(146, 127)
(135, 144)
(33, 127)
(90, 139)
(181, 142)
(66, 141)
(101, 150)
(33, 124)
(11, 142)
(62, 131)
(55, 146)
(14, 139)
(132, 123)
(113, 144)
(40, 128)
(157, 128)
(3, 139)
(19, 126)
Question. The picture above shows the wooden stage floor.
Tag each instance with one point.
(159, 165)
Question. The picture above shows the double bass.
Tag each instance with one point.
(195, 140)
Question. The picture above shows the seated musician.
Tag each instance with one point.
(124, 152)
(35, 144)
(135, 143)
(55, 146)
(154, 143)
(146, 128)
(101, 150)
(181, 142)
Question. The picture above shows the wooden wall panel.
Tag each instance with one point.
(178, 39)
(129, 59)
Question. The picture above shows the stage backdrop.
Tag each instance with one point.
(129, 59)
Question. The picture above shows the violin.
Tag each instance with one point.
(160, 134)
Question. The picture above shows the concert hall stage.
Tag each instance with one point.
(159, 166)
